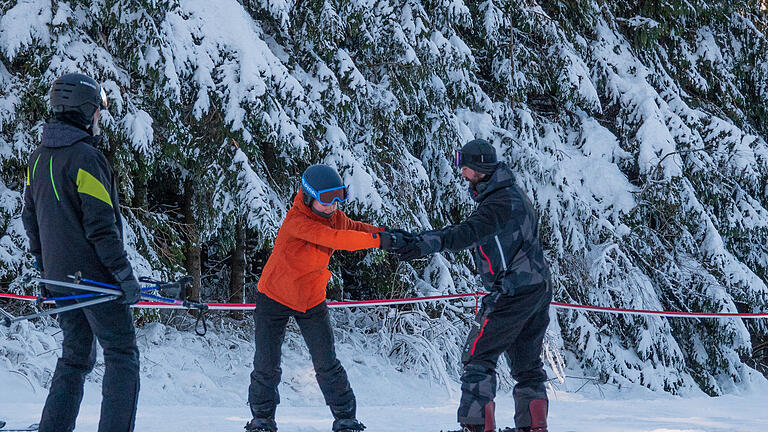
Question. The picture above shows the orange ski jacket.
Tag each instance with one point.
(296, 273)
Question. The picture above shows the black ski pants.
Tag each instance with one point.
(111, 324)
(270, 319)
(514, 325)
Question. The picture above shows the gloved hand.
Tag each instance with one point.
(428, 242)
(131, 291)
(393, 240)
(413, 250)
(128, 285)
(409, 236)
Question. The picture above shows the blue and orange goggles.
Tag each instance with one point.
(460, 158)
(326, 196)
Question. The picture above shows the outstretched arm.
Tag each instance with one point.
(323, 235)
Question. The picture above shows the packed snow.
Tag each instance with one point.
(200, 384)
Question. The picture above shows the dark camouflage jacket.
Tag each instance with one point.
(503, 233)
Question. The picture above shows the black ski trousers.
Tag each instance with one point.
(111, 324)
(270, 319)
(514, 325)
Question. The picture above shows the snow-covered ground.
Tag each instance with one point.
(200, 384)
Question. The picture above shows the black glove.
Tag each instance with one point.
(414, 250)
(428, 242)
(131, 291)
(129, 286)
(394, 240)
(409, 236)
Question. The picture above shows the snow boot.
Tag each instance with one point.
(261, 425)
(538, 408)
(345, 419)
(347, 425)
(490, 421)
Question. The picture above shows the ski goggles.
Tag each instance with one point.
(460, 158)
(326, 196)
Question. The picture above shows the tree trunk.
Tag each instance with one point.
(192, 249)
(237, 277)
(140, 186)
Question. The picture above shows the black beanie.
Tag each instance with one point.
(480, 156)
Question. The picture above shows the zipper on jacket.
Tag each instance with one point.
(501, 253)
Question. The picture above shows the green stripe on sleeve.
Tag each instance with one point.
(35, 167)
(27, 176)
(90, 185)
(52, 182)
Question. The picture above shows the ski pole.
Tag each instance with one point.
(9, 319)
(6, 315)
(158, 285)
(113, 291)
(79, 296)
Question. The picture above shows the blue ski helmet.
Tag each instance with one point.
(76, 97)
(321, 182)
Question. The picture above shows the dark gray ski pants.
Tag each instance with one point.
(271, 318)
(514, 325)
(111, 324)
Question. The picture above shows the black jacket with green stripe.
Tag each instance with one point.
(71, 209)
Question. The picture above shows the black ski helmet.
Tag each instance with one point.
(318, 178)
(76, 97)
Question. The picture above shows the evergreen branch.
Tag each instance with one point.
(657, 168)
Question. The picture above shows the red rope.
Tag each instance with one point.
(476, 295)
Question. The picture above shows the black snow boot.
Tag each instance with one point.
(344, 416)
(261, 425)
(347, 425)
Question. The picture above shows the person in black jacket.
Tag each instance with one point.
(504, 236)
(72, 218)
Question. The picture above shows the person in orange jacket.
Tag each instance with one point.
(293, 285)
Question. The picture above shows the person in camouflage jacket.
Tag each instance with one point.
(503, 234)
